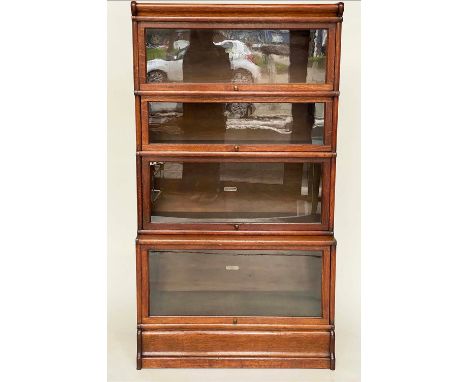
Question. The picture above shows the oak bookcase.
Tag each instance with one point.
(236, 122)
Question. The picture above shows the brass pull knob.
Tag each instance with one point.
(234, 321)
(236, 88)
(236, 226)
(236, 148)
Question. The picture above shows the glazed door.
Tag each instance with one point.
(228, 195)
(223, 55)
(235, 283)
(251, 125)
(251, 285)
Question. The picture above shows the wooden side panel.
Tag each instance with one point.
(277, 344)
(332, 283)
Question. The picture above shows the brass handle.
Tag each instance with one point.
(236, 226)
(236, 148)
(234, 321)
(236, 88)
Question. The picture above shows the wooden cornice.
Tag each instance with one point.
(240, 12)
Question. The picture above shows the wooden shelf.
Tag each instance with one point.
(234, 303)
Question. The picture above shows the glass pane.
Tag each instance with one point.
(235, 283)
(236, 123)
(235, 192)
(239, 56)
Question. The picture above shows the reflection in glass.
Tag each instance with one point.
(236, 123)
(237, 283)
(235, 192)
(239, 56)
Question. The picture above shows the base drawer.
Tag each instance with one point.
(291, 344)
(237, 362)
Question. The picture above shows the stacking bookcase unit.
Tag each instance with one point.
(236, 121)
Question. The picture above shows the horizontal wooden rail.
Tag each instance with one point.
(242, 23)
(240, 154)
(285, 240)
(207, 94)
